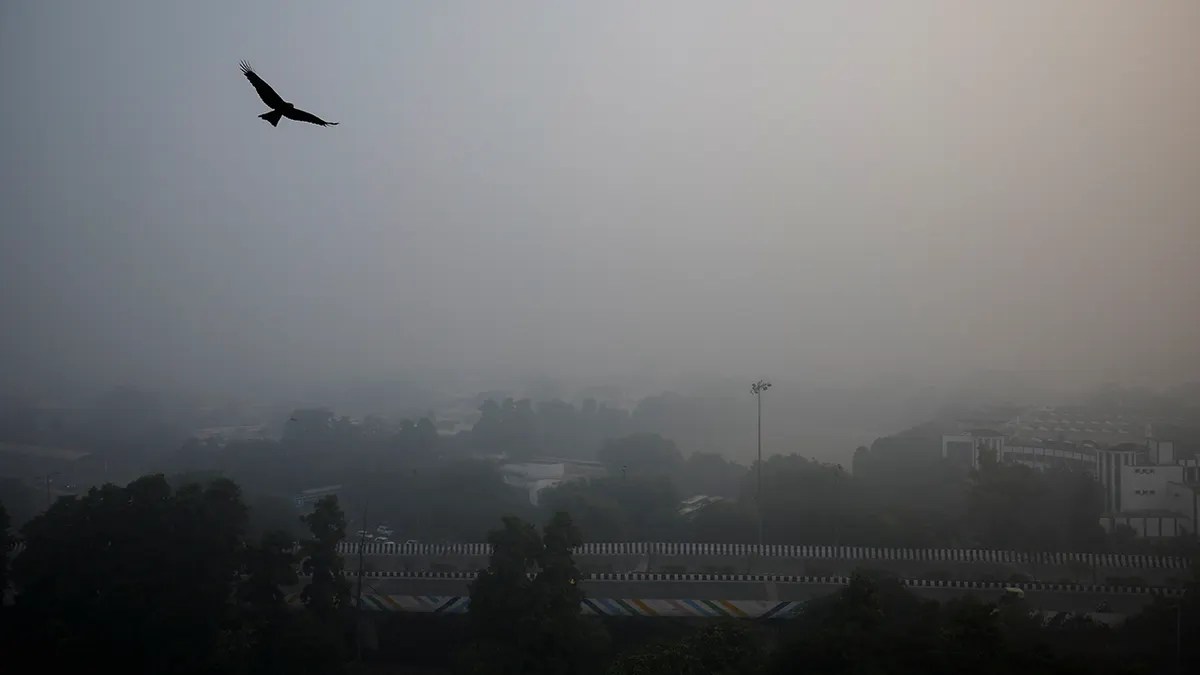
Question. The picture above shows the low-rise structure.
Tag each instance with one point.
(220, 436)
(692, 506)
(306, 499)
(538, 474)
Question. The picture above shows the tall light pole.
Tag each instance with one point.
(1179, 635)
(362, 546)
(757, 389)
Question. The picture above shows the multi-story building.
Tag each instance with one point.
(1072, 426)
(963, 448)
(1147, 486)
(1152, 490)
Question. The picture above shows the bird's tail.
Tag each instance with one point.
(273, 117)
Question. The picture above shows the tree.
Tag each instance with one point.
(910, 495)
(272, 515)
(708, 424)
(1068, 503)
(565, 641)
(717, 649)
(5, 544)
(710, 474)
(724, 523)
(1150, 636)
(424, 501)
(21, 501)
(561, 430)
(803, 500)
(509, 428)
(270, 566)
(873, 625)
(327, 590)
(501, 609)
(312, 425)
(525, 607)
(446, 515)
(997, 502)
(138, 574)
(642, 454)
(641, 508)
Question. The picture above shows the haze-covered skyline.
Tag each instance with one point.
(614, 190)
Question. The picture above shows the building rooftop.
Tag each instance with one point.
(43, 452)
(557, 460)
(1147, 513)
(318, 490)
(693, 505)
(1083, 447)
(984, 432)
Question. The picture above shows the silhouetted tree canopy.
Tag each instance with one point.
(1068, 507)
(140, 574)
(525, 607)
(327, 590)
(6, 543)
(641, 455)
(620, 509)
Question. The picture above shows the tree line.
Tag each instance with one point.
(163, 578)
(900, 493)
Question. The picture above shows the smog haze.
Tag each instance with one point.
(607, 190)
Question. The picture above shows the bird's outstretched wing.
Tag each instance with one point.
(265, 92)
(304, 116)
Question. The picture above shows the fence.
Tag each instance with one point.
(1114, 560)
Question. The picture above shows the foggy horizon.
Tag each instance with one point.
(620, 192)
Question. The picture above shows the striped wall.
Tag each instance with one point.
(655, 578)
(961, 555)
(790, 551)
(713, 609)
(708, 609)
(738, 609)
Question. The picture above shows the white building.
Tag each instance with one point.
(963, 448)
(1155, 500)
(1041, 454)
(692, 506)
(1066, 425)
(222, 435)
(1150, 489)
(539, 474)
(1147, 487)
(308, 498)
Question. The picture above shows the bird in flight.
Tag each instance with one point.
(279, 107)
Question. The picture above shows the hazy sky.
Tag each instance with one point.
(604, 187)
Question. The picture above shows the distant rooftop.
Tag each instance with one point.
(1147, 513)
(559, 460)
(693, 505)
(327, 488)
(1084, 447)
(984, 432)
(43, 452)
